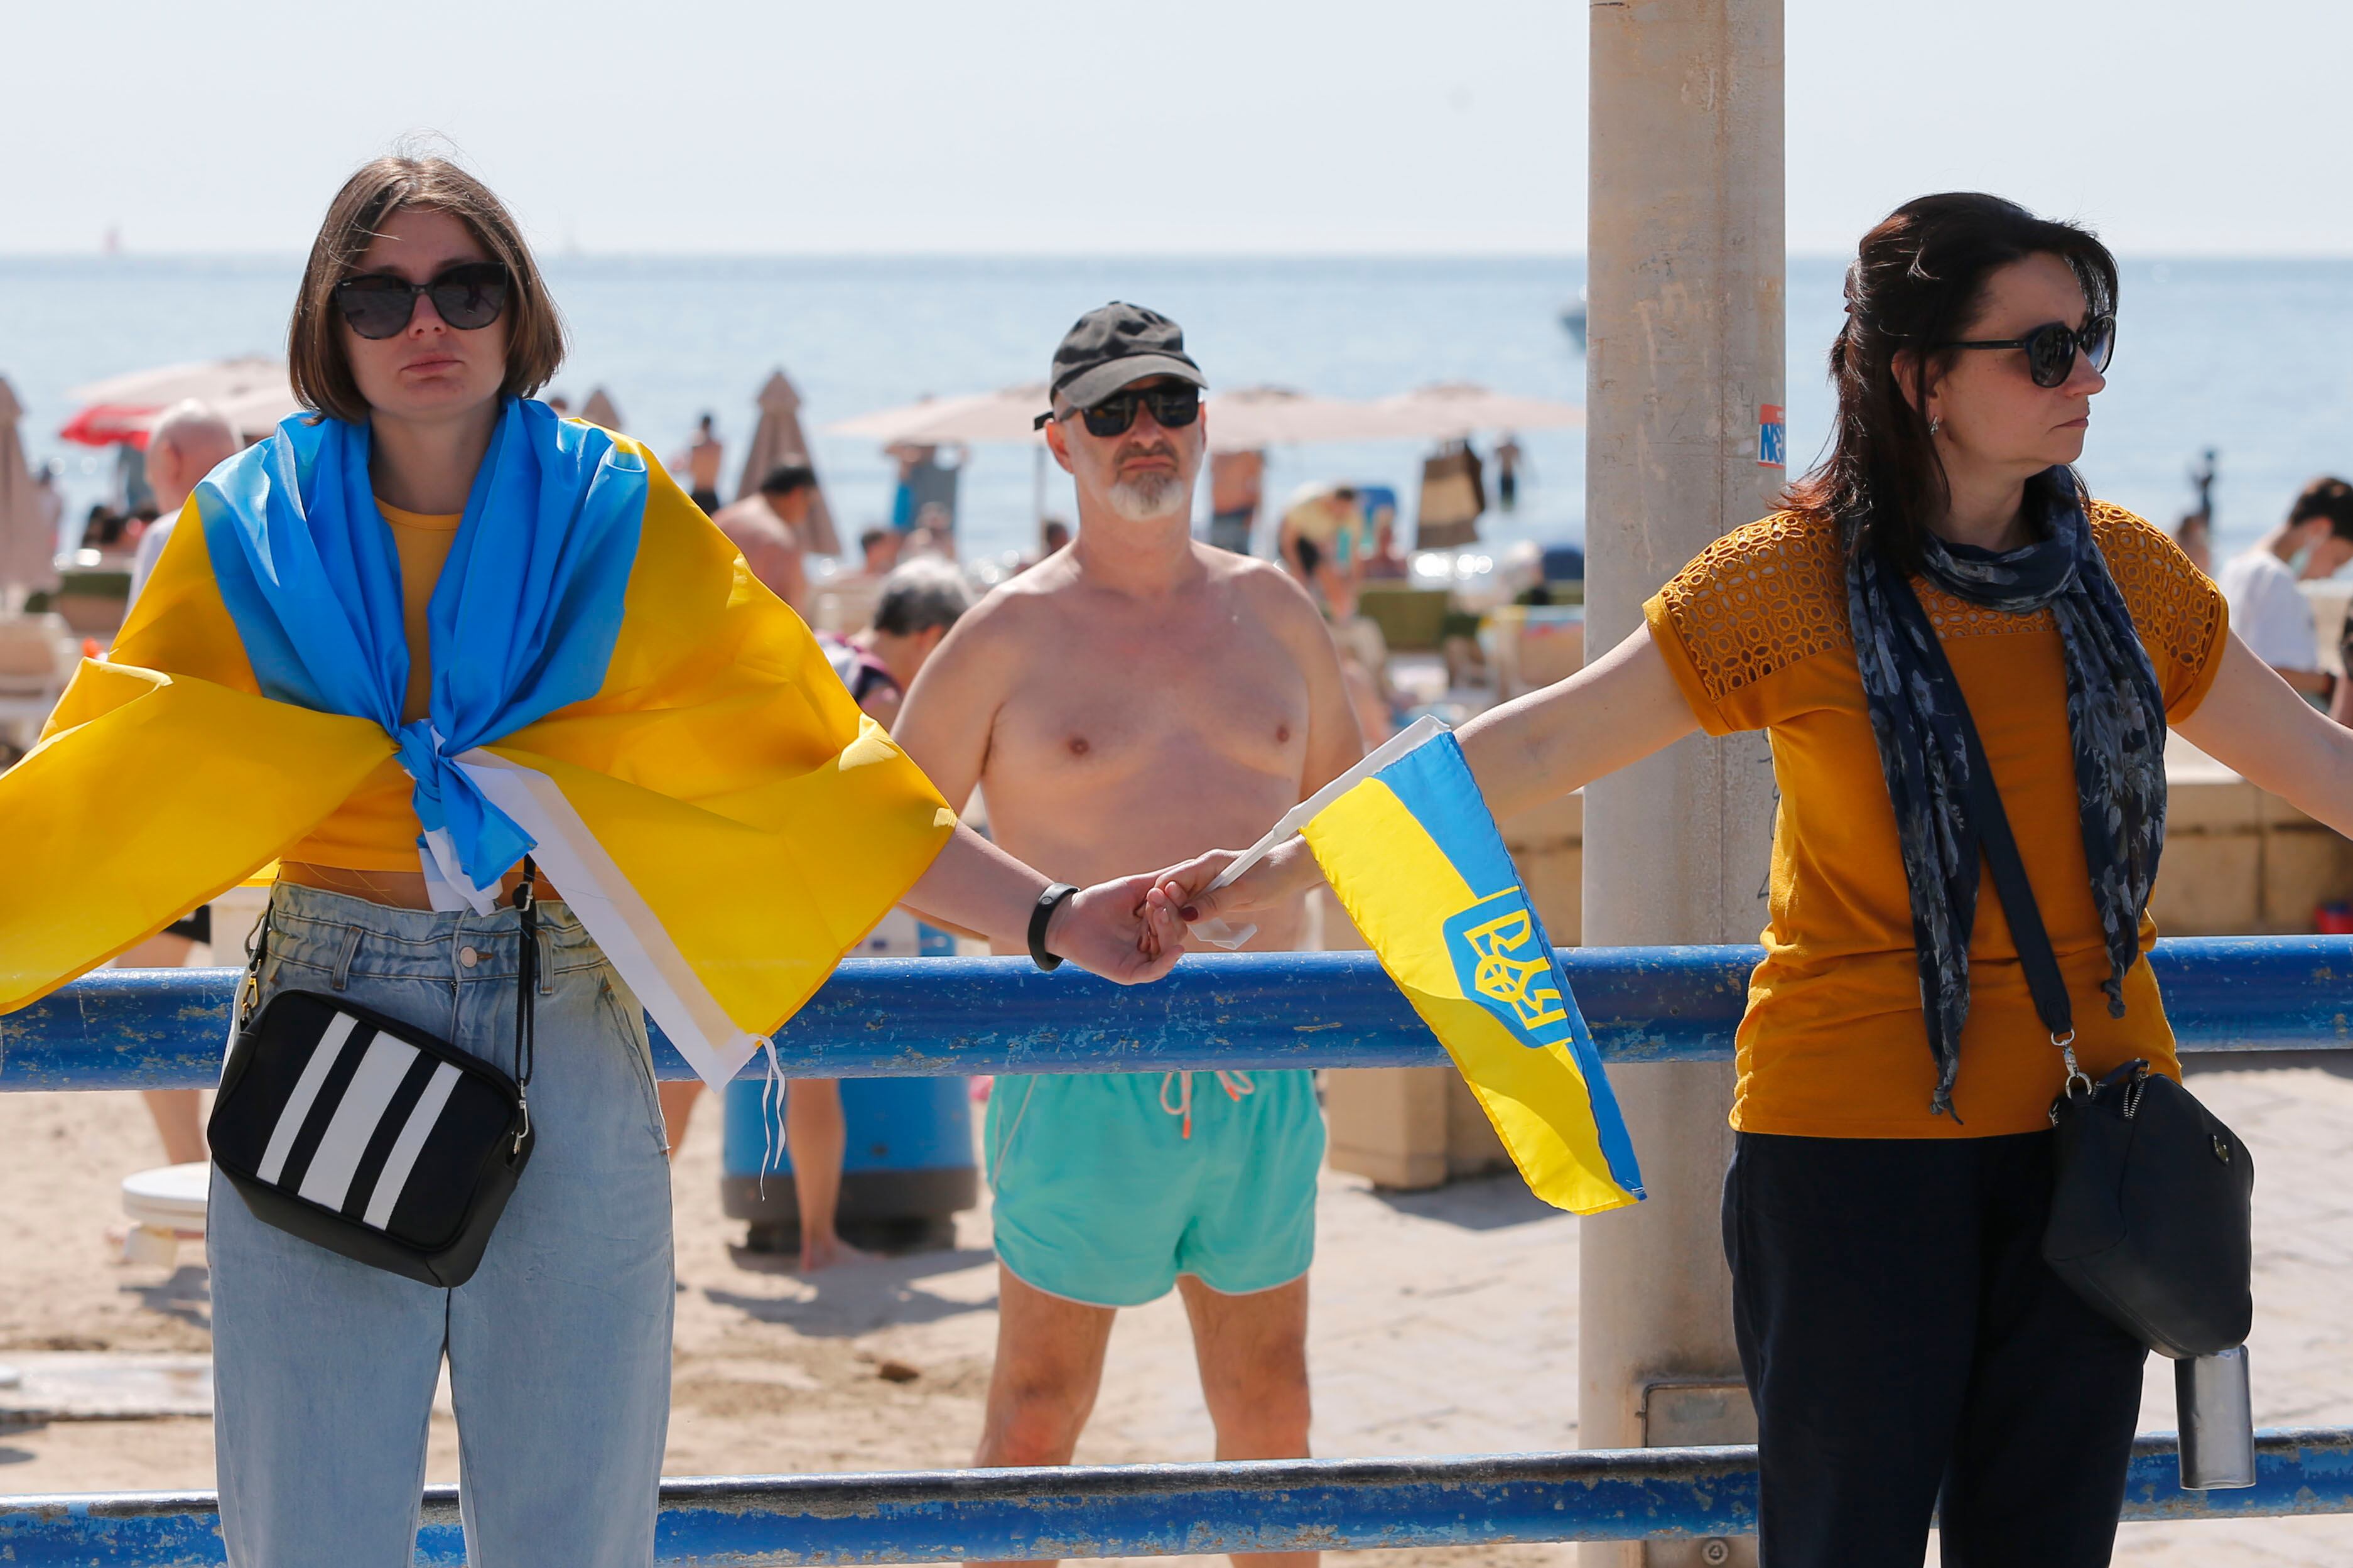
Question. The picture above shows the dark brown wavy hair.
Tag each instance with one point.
(1918, 280)
(315, 354)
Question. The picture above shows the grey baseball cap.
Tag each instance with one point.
(1118, 345)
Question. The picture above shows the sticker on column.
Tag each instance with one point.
(1772, 437)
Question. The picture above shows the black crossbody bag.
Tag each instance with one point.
(2151, 1204)
(371, 1137)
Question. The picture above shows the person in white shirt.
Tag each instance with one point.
(2267, 609)
(187, 443)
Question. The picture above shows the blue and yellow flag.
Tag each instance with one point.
(612, 692)
(1414, 856)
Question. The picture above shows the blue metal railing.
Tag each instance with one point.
(926, 1018)
(1142, 1510)
(878, 1017)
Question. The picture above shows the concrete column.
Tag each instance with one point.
(1683, 371)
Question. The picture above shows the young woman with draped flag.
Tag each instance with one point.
(1903, 1338)
(421, 633)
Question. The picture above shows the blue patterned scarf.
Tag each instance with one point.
(2115, 718)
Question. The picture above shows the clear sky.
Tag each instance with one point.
(1223, 126)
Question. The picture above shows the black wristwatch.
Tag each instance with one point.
(1052, 899)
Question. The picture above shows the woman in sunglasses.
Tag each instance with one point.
(1903, 1339)
(425, 641)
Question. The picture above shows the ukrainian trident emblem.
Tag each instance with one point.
(1501, 960)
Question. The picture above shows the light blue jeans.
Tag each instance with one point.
(559, 1346)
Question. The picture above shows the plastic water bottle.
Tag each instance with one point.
(2211, 1402)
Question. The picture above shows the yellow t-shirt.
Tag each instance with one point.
(1833, 1044)
(376, 829)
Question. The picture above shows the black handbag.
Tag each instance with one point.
(370, 1137)
(2151, 1207)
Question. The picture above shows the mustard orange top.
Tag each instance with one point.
(376, 829)
(1833, 1044)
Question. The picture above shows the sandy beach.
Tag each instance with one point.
(1444, 1322)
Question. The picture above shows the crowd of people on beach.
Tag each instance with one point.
(482, 655)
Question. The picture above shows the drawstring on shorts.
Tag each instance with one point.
(1235, 1084)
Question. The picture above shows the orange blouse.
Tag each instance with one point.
(1833, 1043)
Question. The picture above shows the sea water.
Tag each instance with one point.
(2249, 357)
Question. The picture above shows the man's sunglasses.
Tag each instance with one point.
(469, 295)
(2051, 349)
(1173, 408)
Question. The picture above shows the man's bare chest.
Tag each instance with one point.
(1108, 712)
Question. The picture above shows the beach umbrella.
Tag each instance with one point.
(28, 546)
(778, 439)
(599, 410)
(1451, 410)
(1005, 416)
(252, 392)
(1240, 421)
(1257, 416)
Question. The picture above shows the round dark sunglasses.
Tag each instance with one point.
(2051, 349)
(1173, 408)
(469, 295)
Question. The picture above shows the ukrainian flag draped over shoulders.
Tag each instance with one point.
(1407, 843)
(612, 693)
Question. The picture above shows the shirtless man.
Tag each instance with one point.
(769, 527)
(1110, 1188)
(700, 460)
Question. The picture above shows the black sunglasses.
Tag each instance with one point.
(1173, 408)
(2051, 349)
(469, 295)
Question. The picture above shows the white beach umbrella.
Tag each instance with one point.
(28, 546)
(1005, 416)
(1240, 421)
(1450, 410)
(1257, 416)
(778, 439)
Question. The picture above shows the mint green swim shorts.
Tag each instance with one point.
(1109, 1186)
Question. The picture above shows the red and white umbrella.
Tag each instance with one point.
(252, 392)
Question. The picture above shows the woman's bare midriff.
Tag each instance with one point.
(394, 889)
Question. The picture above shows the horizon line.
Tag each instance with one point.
(548, 254)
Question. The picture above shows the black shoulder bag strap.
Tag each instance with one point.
(2033, 943)
(2048, 986)
(526, 903)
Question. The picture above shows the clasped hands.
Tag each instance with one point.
(1132, 929)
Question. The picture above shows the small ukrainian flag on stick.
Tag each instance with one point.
(1406, 841)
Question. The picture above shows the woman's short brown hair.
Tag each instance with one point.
(315, 356)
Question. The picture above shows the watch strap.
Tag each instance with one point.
(1052, 899)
